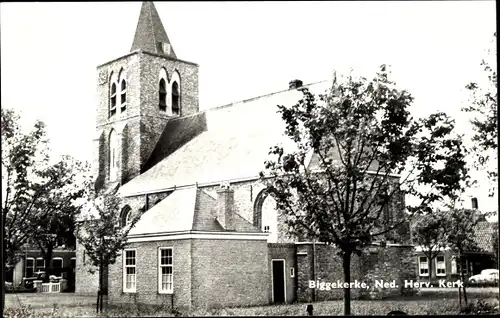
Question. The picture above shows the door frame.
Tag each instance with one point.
(272, 277)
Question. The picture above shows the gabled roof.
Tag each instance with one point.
(232, 143)
(188, 209)
(150, 33)
(174, 213)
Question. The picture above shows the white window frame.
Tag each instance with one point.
(32, 268)
(160, 275)
(420, 263)
(442, 265)
(125, 266)
(292, 272)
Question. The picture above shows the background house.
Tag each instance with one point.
(32, 261)
(446, 264)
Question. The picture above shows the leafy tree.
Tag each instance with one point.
(483, 107)
(363, 135)
(429, 233)
(460, 224)
(23, 156)
(54, 215)
(103, 237)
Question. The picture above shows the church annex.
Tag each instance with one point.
(208, 234)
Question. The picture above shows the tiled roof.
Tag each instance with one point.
(483, 233)
(188, 209)
(484, 236)
(174, 213)
(234, 144)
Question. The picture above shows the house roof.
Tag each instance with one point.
(174, 213)
(187, 209)
(483, 233)
(229, 142)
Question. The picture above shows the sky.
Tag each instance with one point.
(50, 51)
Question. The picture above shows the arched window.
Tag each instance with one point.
(126, 215)
(113, 93)
(163, 95)
(123, 95)
(113, 156)
(266, 216)
(175, 94)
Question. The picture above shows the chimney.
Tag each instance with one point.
(475, 205)
(295, 84)
(225, 204)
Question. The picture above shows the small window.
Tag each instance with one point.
(112, 106)
(166, 279)
(123, 96)
(423, 266)
(453, 265)
(83, 256)
(266, 228)
(40, 264)
(176, 108)
(57, 262)
(292, 272)
(163, 95)
(440, 266)
(30, 267)
(129, 273)
(73, 262)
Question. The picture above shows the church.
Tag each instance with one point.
(208, 234)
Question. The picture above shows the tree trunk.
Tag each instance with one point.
(104, 290)
(430, 269)
(347, 279)
(99, 292)
(465, 282)
(48, 262)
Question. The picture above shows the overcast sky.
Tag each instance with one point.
(49, 52)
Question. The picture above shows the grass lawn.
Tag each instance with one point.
(431, 302)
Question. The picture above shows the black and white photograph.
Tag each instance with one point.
(308, 158)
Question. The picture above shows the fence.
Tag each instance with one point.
(48, 287)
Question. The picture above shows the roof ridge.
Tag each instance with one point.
(247, 100)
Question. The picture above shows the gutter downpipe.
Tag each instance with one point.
(314, 270)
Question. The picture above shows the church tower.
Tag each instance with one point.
(138, 94)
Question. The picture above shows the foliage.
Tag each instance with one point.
(429, 233)
(483, 106)
(40, 199)
(103, 236)
(101, 233)
(363, 135)
(23, 155)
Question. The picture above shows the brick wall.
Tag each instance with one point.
(86, 283)
(147, 276)
(229, 273)
(376, 263)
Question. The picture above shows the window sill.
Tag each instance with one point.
(129, 291)
(424, 275)
(165, 292)
(440, 275)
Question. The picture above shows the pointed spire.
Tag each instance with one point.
(150, 34)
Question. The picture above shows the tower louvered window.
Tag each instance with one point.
(112, 106)
(123, 95)
(175, 99)
(163, 95)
